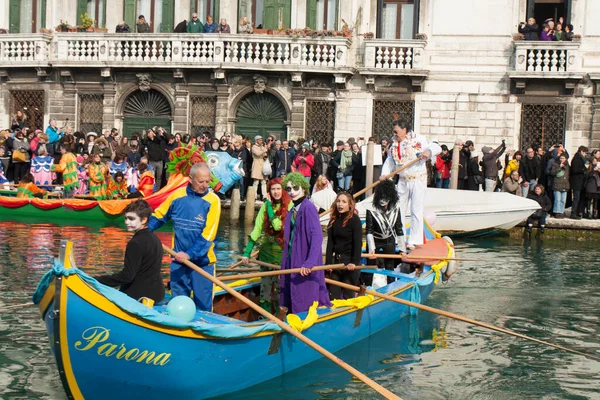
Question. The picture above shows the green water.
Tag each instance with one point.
(545, 289)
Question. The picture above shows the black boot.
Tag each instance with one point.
(541, 230)
(528, 229)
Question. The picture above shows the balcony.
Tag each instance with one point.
(279, 53)
(24, 50)
(546, 60)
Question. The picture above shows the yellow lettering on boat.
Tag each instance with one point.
(163, 357)
(92, 336)
(97, 338)
(129, 355)
(145, 355)
(102, 350)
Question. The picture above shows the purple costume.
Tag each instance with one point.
(299, 292)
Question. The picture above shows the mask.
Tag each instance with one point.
(384, 203)
(295, 191)
(133, 222)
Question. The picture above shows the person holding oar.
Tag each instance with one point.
(408, 147)
(269, 221)
(384, 228)
(303, 234)
(195, 211)
(344, 244)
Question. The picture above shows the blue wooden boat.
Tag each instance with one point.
(107, 345)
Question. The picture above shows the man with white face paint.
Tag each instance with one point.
(141, 276)
(407, 147)
(302, 248)
(195, 212)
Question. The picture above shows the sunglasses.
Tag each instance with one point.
(289, 189)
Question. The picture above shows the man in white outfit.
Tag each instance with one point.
(409, 146)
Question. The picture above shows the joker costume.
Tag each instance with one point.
(303, 234)
(413, 180)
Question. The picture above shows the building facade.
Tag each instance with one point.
(453, 68)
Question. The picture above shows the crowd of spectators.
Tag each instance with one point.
(549, 31)
(333, 167)
(194, 25)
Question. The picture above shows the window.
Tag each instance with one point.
(266, 14)
(204, 8)
(27, 16)
(322, 14)
(203, 114)
(320, 120)
(396, 19)
(159, 14)
(91, 108)
(385, 112)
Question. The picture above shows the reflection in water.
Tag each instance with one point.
(537, 290)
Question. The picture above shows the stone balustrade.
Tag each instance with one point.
(554, 58)
(393, 55)
(177, 51)
(24, 50)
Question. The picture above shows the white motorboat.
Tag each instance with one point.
(461, 212)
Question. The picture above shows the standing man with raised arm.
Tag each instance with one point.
(195, 211)
(412, 183)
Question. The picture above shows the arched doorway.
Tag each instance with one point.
(143, 110)
(261, 114)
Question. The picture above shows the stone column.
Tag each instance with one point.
(222, 111)
(109, 110)
(182, 11)
(298, 108)
(298, 19)
(596, 123)
(69, 106)
(180, 113)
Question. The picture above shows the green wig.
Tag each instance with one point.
(296, 178)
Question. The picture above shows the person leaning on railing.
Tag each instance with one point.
(245, 26)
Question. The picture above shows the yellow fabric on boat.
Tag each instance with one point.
(437, 268)
(311, 317)
(359, 302)
(243, 282)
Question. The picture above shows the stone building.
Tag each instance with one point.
(452, 67)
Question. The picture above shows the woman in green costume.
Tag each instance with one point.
(270, 221)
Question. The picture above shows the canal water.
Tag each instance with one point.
(542, 288)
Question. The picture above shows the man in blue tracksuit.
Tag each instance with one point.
(195, 212)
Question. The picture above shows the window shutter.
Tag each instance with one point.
(168, 9)
(217, 12)
(311, 14)
(193, 8)
(14, 16)
(81, 9)
(129, 14)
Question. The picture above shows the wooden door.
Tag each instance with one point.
(138, 124)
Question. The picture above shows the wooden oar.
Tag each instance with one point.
(237, 264)
(16, 306)
(374, 385)
(291, 271)
(457, 317)
(371, 186)
(409, 258)
(263, 264)
(221, 270)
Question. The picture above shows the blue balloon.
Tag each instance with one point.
(182, 307)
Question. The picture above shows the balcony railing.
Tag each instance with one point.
(393, 55)
(546, 57)
(24, 50)
(176, 50)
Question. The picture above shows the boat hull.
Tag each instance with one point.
(103, 352)
(465, 212)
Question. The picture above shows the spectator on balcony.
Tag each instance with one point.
(122, 28)
(548, 32)
(142, 26)
(181, 27)
(195, 25)
(223, 27)
(568, 36)
(529, 29)
(245, 26)
(559, 34)
(210, 26)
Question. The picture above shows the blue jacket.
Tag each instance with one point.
(195, 222)
(284, 159)
(210, 28)
(53, 135)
